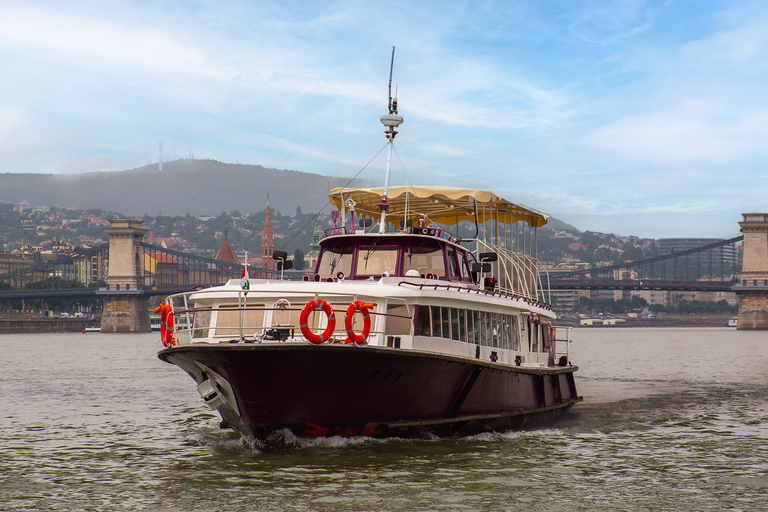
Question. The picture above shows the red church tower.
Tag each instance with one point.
(268, 243)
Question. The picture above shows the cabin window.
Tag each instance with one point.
(464, 267)
(463, 324)
(496, 331)
(473, 326)
(546, 338)
(533, 335)
(453, 264)
(423, 321)
(487, 334)
(437, 328)
(446, 322)
(426, 259)
(335, 260)
(455, 331)
(398, 320)
(229, 317)
(201, 322)
(515, 335)
(375, 261)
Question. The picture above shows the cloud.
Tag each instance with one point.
(80, 39)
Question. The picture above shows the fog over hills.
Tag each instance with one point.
(197, 187)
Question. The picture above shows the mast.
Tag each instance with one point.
(391, 121)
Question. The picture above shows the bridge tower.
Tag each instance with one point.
(125, 305)
(753, 288)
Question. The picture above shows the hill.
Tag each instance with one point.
(197, 187)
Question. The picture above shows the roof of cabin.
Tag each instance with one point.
(446, 205)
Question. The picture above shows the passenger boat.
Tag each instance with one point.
(404, 328)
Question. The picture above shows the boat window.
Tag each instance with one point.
(464, 267)
(201, 322)
(546, 338)
(423, 322)
(446, 322)
(472, 326)
(503, 327)
(436, 325)
(375, 261)
(335, 260)
(495, 331)
(515, 335)
(463, 324)
(487, 333)
(398, 320)
(426, 259)
(453, 263)
(228, 320)
(455, 331)
(533, 335)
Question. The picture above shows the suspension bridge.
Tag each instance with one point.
(127, 271)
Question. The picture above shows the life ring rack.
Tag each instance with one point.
(363, 308)
(310, 336)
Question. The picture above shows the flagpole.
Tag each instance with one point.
(245, 286)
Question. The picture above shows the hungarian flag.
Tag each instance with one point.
(244, 283)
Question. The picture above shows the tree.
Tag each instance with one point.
(298, 260)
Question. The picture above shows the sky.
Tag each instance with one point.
(646, 118)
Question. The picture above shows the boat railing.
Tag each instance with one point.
(561, 342)
(514, 272)
(259, 323)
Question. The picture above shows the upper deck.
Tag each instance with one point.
(410, 239)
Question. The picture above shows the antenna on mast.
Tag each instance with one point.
(391, 67)
(391, 121)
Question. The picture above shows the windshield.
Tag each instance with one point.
(335, 260)
(373, 260)
(426, 259)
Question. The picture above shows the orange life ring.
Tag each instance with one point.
(169, 342)
(163, 315)
(363, 308)
(304, 317)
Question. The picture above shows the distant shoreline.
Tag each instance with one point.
(42, 325)
(664, 321)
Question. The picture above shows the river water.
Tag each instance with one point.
(672, 419)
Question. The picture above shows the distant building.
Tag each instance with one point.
(24, 205)
(720, 258)
(268, 243)
(314, 250)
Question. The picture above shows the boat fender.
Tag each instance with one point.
(169, 326)
(304, 317)
(363, 308)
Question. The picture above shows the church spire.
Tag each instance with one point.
(268, 242)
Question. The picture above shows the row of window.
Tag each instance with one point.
(376, 260)
(484, 328)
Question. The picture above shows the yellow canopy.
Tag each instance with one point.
(445, 205)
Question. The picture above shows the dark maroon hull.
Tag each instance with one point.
(345, 390)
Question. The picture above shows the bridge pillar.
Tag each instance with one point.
(125, 305)
(753, 288)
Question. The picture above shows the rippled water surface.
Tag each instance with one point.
(672, 419)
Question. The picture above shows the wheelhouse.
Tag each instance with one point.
(366, 256)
